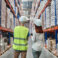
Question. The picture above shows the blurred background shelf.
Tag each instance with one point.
(48, 2)
(7, 2)
(6, 29)
(51, 29)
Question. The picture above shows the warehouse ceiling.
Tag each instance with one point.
(26, 7)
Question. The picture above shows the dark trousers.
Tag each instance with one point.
(23, 54)
(36, 54)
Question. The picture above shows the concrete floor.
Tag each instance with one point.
(9, 53)
(45, 53)
(29, 52)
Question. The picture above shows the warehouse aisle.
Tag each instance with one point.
(9, 53)
(15, 13)
(29, 52)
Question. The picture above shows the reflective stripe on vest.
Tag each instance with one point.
(21, 48)
(20, 38)
(20, 44)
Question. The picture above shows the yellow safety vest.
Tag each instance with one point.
(20, 38)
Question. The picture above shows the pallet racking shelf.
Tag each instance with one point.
(37, 6)
(5, 29)
(7, 2)
(51, 29)
(48, 2)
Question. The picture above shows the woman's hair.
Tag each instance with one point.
(39, 28)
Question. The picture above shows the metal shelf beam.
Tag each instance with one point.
(5, 29)
(7, 2)
(51, 29)
(48, 2)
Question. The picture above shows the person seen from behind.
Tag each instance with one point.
(21, 34)
(37, 39)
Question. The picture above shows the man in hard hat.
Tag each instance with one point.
(21, 34)
(37, 39)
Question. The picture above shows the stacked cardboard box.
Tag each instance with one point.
(11, 21)
(48, 17)
(0, 11)
(44, 22)
(36, 4)
(42, 4)
(51, 44)
(2, 46)
(52, 13)
(3, 13)
(33, 9)
(57, 10)
(8, 18)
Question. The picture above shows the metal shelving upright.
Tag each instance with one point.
(56, 25)
(53, 29)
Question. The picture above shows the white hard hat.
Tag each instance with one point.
(23, 19)
(37, 22)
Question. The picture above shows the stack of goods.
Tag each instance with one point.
(33, 6)
(3, 13)
(53, 13)
(11, 20)
(57, 10)
(1, 44)
(43, 20)
(36, 14)
(36, 4)
(0, 11)
(48, 17)
(42, 4)
(57, 49)
(5, 42)
(51, 44)
(12, 26)
(8, 18)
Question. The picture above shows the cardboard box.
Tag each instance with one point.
(3, 13)
(52, 13)
(51, 44)
(48, 17)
